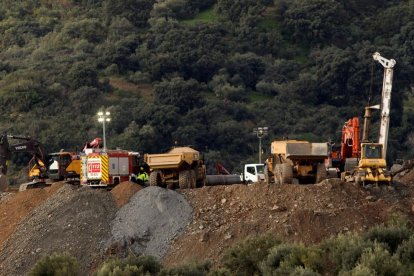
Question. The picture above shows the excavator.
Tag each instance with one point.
(369, 165)
(349, 149)
(63, 165)
(28, 145)
(54, 166)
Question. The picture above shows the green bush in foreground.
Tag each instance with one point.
(379, 260)
(56, 265)
(382, 250)
(287, 259)
(142, 265)
(344, 251)
(188, 269)
(244, 258)
(391, 235)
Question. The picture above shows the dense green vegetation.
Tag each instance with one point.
(201, 73)
(382, 250)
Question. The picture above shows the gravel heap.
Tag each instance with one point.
(73, 220)
(149, 222)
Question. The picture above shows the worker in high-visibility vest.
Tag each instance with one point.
(142, 177)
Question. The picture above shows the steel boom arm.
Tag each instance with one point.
(388, 65)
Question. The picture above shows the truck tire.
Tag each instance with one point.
(276, 174)
(266, 175)
(193, 179)
(286, 173)
(321, 173)
(184, 179)
(269, 176)
(201, 176)
(155, 178)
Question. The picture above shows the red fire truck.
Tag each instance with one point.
(100, 168)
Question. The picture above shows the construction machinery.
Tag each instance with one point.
(293, 161)
(180, 165)
(101, 168)
(371, 167)
(63, 165)
(348, 151)
(29, 145)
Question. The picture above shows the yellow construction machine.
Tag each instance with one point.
(372, 166)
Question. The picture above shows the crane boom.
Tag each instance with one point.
(388, 65)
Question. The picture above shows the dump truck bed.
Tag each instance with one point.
(172, 159)
(294, 149)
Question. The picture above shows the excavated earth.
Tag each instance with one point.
(184, 225)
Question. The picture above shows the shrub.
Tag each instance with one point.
(220, 272)
(405, 251)
(132, 265)
(192, 269)
(244, 259)
(288, 258)
(344, 250)
(300, 271)
(57, 264)
(380, 261)
(392, 235)
(360, 270)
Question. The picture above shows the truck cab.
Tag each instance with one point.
(253, 173)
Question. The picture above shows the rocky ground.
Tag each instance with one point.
(184, 225)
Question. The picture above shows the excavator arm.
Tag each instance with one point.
(29, 145)
(388, 65)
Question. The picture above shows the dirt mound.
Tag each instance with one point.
(14, 207)
(188, 225)
(148, 223)
(225, 215)
(74, 220)
(123, 192)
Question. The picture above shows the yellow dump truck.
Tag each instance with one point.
(181, 166)
(293, 161)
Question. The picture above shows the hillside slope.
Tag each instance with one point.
(83, 221)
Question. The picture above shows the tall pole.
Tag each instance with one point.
(260, 150)
(104, 137)
(260, 132)
(103, 117)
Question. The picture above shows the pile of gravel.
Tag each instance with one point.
(149, 222)
(73, 220)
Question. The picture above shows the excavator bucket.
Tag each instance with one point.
(3, 183)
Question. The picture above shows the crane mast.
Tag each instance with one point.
(388, 65)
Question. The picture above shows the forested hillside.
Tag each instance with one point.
(201, 73)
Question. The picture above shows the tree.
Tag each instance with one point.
(136, 11)
(315, 21)
(178, 92)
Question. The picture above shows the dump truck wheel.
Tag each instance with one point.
(201, 176)
(321, 173)
(266, 175)
(193, 179)
(276, 174)
(269, 176)
(155, 178)
(184, 179)
(286, 173)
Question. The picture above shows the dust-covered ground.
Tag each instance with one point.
(184, 225)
